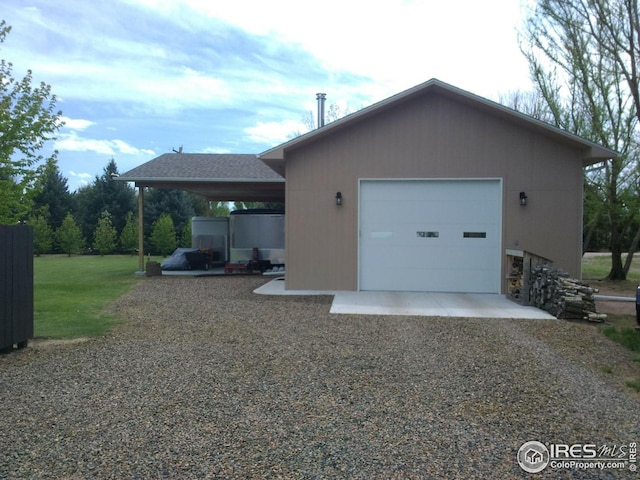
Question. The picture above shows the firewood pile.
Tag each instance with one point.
(554, 291)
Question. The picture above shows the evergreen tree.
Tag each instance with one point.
(105, 235)
(129, 234)
(42, 234)
(199, 204)
(53, 192)
(105, 193)
(175, 203)
(163, 235)
(69, 236)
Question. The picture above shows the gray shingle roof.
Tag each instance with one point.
(202, 167)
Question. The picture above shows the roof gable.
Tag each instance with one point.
(592, 152)
(202, 167)
(220, 177)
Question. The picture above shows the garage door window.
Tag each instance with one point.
(474, 234)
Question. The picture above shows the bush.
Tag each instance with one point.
(42, 235)
(105, 235)
(163, 235)
(69, 236)
(129, 234)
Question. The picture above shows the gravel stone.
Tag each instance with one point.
(204, 379)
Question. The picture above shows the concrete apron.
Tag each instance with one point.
(476, 305)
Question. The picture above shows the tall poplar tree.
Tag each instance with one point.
(583, 57)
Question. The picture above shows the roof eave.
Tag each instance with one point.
(594, 153)
(199, 180)
(597, 154)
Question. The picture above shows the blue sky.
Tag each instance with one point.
(138, 78)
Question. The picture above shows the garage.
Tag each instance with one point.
(426, 191)
(430, 235)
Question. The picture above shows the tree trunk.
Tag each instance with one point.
(617, 271)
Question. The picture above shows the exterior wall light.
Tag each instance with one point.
(523, 199)
(339, 198)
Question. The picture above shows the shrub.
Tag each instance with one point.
(69, 236)
(105, 235)
(163, 235)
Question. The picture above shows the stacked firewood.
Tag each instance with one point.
(552, 289)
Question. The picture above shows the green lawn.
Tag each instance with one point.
(597, 268)
(71, 293)
(619, 328)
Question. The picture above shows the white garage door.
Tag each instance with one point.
(430, 235)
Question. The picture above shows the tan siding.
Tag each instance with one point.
(433, 137)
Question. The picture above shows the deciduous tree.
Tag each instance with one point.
(69, 236)
(105, 235)
(42, 234)
(163, 235)
(575, 50)
(129, 234)
(28, 118)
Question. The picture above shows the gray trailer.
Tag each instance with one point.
(211, 234)
(261, 229)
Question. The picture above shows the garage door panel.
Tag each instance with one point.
(439, 280)
(413, 235)
(412, 258)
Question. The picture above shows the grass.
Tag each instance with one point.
(71, 293)
(620, 328)
(626, 336)
(633, 384)
(595, 268)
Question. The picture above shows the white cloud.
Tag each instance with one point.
(399, 43)
(76, 123)
(80, 175)
(273, 133)
(74, 143)
(176, 87)
(199, 73)
(215, 150)
(81, 179)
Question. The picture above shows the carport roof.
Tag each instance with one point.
(221, 177)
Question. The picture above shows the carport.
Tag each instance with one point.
(215, 177)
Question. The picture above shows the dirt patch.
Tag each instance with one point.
(616, 289)
(616, 308)
(56, 342)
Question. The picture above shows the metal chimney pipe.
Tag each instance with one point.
(321, 97)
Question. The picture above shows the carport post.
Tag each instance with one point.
(140, 230)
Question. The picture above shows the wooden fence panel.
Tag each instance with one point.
(16, 285)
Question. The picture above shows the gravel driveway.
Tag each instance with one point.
(206, 380)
